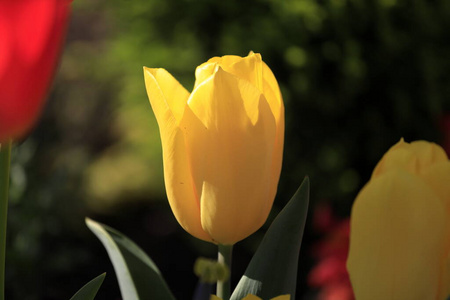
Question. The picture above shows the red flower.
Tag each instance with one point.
(31, 35)
(329, 276)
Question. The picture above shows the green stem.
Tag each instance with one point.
(5, 156)
(224, 287)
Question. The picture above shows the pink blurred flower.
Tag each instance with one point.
(330, 274)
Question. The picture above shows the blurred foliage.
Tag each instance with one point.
(356, 75)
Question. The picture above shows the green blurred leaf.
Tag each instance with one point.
(273, 269)
(90, 289)
(210, 270)
(138, 276)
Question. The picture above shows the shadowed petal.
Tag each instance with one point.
(398, 238)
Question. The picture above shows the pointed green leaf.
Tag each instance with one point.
(138, 276)
(90, 289)
(273, 269)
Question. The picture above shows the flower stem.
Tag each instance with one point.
(224, 287)
(5, 156)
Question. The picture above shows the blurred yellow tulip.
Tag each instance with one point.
(400, 233)
(253, 297)
(222, 145)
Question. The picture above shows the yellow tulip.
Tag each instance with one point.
(222, 145)
(400, 233)
(253, 297)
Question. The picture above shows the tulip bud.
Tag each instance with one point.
(222, 145)
(31, 34)
(400, 233)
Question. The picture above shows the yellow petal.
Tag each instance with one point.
(167, 94)
(273, 95)
(444, 291)
(398, 156)
(214, 297)
(204, 71)
(225, 60)
(428, 153)
(272, 92)
(230, 135)
(248, 68)
(282, 297)
(166, 97)
(415, 157)
(397, 239)
(251, 297)
(207, 69)
(255, 71)
(437, 177)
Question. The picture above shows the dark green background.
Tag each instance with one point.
(356, 76)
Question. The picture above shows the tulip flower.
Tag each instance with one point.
(31, 35)
(222, 145)
(400, 233)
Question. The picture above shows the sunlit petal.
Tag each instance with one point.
(231, 155)
(167, 97)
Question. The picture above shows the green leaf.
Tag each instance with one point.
(273, 269)
(138, 276)
(90, 289)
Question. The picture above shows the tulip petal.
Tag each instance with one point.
(262, 78)
(207, 69)
(7, 48)
(437, 177)
(251, 297)
(398, 237)
(428, 153)
(31, 33)
(36, 19)
(445, 281)
(230, 134)
(414, 157)
(273, 95)
(248, 68)
(282, 297)
(168, 99)
(398, 158)
(204, 71)
(174, 95)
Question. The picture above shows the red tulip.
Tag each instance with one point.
(31, 35)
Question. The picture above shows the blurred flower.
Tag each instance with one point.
(399, 241)
(330, 273)
(222, 145)
(31, 34)
(253, 297)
